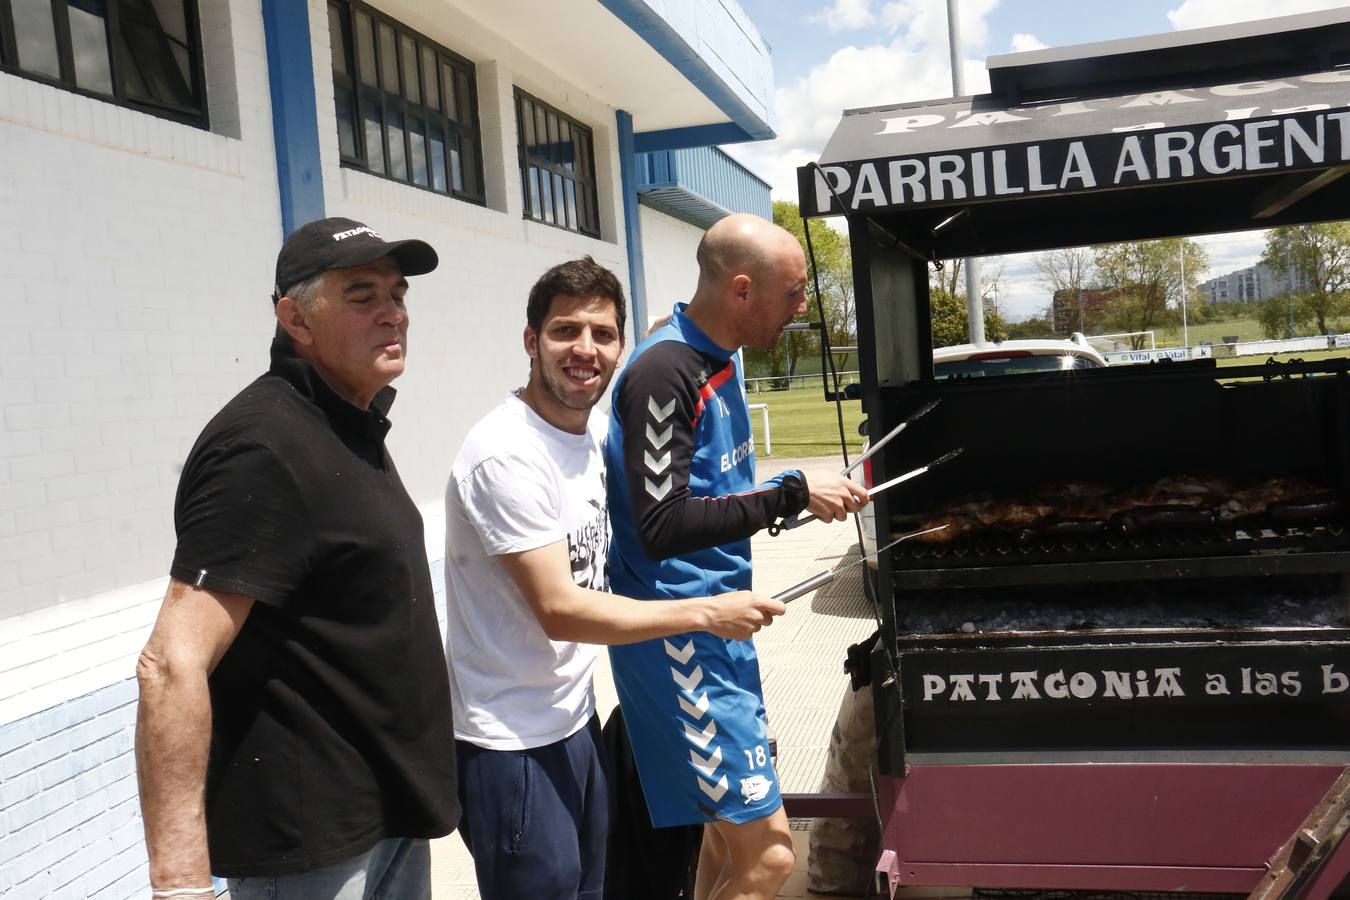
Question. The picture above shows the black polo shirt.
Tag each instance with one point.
(331, 710)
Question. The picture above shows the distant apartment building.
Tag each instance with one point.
(1258, 282)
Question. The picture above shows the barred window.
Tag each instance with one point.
(407, 108)
(557, 167)
(144, 54)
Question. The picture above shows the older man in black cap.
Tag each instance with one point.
(294, 731)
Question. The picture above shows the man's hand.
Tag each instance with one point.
(833, 496)
(738, 615)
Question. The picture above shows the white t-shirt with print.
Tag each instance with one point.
(518, 484)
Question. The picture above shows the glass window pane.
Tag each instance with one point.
(152, 38)
(541, 132)
(468, 151)
(409, 54)
(527, 117)
(89, 45)
(587, 216)
(559, 200)
(583, 152)
(451, 105)
(572, 205)
(417, 145)
(429, 78)
(335, 40)
(456, 164)
(462, 89)
(370, 116)
(534, 193)
(545, 195)
(170, 16)
(565, 145)
(554, 152)
(398, 154)
(146, 49)
(35, 35)
(436, 141)
(388, 59)
(365, 49)
(346, 121)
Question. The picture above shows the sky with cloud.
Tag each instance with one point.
(831, 56)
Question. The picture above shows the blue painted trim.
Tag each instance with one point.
(665, 40)
(632, 225)
(295, 121)
(693, 136)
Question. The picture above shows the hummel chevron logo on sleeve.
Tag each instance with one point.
(660, 413)
(656, 465)
(688, 682)
(714, 792)
(659, 440)
(701, 737)
(694, 710)
(707, 766)
(657, 490)
(680, 655)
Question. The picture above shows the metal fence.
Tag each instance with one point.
(788, 382)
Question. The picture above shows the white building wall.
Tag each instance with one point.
(467, 318)
(668, 247)
(136, 254)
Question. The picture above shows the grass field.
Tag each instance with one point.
(802, 423)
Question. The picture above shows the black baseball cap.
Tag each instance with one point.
(338, 243)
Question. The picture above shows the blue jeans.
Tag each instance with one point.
(394, 869)
(536, 821)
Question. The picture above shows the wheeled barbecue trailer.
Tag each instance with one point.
(1164, 712)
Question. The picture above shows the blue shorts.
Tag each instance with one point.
(695, 715)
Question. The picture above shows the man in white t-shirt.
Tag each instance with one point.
(527, 533)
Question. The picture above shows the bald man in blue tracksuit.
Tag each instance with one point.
(683, 503)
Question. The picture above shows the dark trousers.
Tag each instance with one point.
(536, 820)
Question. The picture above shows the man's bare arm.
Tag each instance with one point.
(571, 613)
(173, 727)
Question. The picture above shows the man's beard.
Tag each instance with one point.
(548, 381)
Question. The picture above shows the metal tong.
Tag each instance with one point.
(800, 519)
(793, 521)
(824, 578)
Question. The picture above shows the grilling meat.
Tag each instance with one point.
(1078, 509)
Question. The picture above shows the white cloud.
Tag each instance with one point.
(914, 65)
(846, 15)
(1022, 42)
(1201, 13)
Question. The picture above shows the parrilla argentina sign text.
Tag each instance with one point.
(1298, 140)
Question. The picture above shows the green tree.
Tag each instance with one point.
(1318, 259)
(1031, 328)
(1284, 315)
(947, 303)
(951, 321)
(1146, 279)
(835, 264)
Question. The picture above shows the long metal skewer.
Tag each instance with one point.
(803, 517)
(923, 411)
(824, 578)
